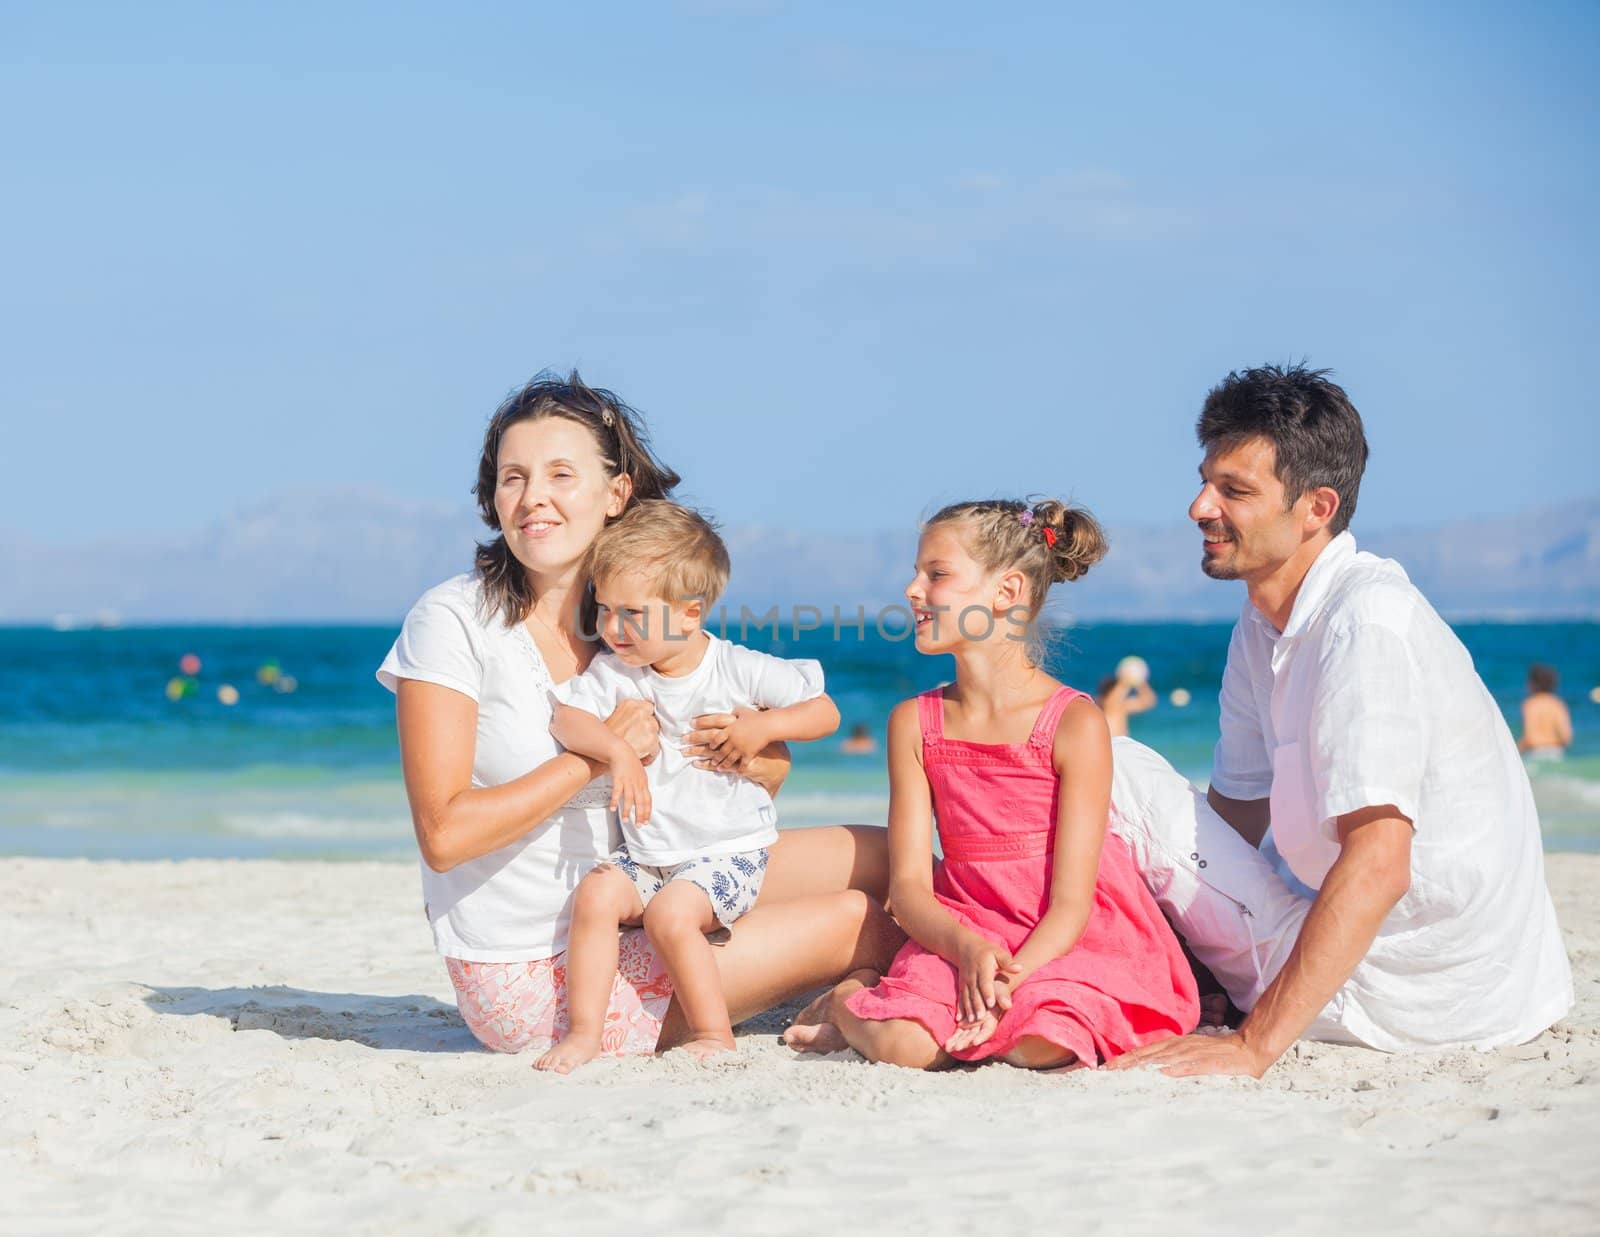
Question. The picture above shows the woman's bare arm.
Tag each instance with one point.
(454, 820)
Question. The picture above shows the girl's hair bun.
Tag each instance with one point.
(1078, 543)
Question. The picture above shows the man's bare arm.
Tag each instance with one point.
(1372, 873)
(1249, 817)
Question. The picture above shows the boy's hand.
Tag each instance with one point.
(630, 789)
(733, 742)
(979, 965)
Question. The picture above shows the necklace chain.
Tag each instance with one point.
(562, 640)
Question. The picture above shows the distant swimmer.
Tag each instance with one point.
(860, 741)
(1121, 695)
(1546, 722)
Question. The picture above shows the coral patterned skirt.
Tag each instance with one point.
(513, 1006)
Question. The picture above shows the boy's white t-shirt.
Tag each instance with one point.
(694, 811)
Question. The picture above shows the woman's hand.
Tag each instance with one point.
(725, 742)
(634, 722)
(630, 790)
(977, 993)
(731, 741)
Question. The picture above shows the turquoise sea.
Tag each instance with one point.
(97, 761)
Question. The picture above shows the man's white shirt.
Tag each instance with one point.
(1367, 698)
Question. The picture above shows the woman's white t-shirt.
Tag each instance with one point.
(513, 904)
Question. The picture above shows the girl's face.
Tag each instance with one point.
(954, 601)
(552, 493)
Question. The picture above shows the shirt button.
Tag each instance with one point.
(1202, 863)
(1195, 855)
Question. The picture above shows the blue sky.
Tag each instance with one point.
(848, 260)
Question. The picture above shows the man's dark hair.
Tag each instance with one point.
(1541, 678)
(1309, 420)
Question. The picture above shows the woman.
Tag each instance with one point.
(508, 823)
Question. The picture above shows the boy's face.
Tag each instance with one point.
(642, 627)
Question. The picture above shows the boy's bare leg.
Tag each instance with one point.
(604, 902)
(781, 951)
(676, 922)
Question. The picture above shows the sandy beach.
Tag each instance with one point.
(264, 1046)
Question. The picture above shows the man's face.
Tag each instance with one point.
(1248, 529)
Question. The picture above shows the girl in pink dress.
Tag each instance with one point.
(1035, 941)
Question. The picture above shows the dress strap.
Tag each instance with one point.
(930, 710)
(1044, 730)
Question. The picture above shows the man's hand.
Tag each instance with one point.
(1183, 1056)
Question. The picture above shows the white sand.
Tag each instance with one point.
(263, 1047)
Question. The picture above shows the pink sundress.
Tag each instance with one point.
(1124, 984)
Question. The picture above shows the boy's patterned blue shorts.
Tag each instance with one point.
(730, 881)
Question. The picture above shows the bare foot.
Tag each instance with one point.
(815, 1037)
(700, 1049)
(570, 1053)
(813, 1029)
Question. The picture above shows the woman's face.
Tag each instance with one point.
(552, 493)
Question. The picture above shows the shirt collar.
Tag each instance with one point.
(1314, 589)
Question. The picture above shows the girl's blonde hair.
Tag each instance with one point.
(1050, 542)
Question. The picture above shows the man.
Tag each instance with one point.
(1414, 911)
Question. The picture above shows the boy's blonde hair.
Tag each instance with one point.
(676, 549)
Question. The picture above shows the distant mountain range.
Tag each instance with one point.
(350, 555)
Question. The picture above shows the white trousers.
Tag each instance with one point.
(1227, 900)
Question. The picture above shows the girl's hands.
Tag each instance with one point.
(630, 790)
(727, 742)
(970, 1037)
(982, 981)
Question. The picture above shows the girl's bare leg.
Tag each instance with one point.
(605, 900)
(828, 859)
(677, 921)
(1035, 1052)
(897, 1041)
(781, 951)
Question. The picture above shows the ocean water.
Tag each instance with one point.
(97, 761)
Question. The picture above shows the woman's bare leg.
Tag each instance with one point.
(804, 862)
(780, 951)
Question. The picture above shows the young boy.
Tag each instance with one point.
(1546, 723)
(694, 840)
